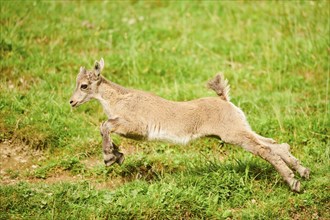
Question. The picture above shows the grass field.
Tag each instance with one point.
(274, 54)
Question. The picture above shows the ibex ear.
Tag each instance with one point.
(101, 63)
(82, 70)
(98, 67)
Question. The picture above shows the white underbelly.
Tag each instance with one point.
(164, 135)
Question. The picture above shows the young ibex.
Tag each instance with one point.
(140, 115)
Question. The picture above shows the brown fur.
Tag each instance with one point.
(141, 115)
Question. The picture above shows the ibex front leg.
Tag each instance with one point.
(110, 150)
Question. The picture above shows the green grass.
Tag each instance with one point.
(275, 55)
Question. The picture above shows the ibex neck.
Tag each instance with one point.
(108, 94)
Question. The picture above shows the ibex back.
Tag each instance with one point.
(140, 115)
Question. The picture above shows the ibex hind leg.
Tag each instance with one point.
(250, 142)
(283, 150)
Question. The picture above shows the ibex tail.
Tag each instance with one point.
(220, 86)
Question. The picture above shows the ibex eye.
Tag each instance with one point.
(83, 86)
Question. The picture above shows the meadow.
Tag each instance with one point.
(276, 56)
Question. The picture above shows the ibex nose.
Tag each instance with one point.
(73, 103)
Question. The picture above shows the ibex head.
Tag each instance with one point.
(87, 84)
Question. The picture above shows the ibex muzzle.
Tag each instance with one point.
(141, 115)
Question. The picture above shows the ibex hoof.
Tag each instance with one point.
(120, 158)
(110, 159)
(306, 173)
(116, 157)
(295, 185)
